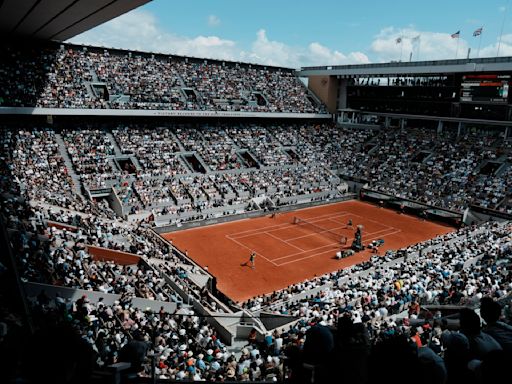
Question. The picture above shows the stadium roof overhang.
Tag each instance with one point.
(59, 19)
(415, 68)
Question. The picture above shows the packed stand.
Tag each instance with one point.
(435, 168)
(384, 298)
(184, 345)
(438, 169)
(90, 151)
(69, 76)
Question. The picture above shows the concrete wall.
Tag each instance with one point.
(476, 214)
(33, 289)
(154, 305)
(222, 330)
(57, 225)
(342, 93)
(272, 321)
(326, 89)
(105, 254)
(115, 203)
(180, 292)
(156, 112)
(225, 219)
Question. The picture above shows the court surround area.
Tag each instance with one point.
(288, 252)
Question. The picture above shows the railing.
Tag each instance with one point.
(491, 212)
(410, 204)
(250, 214)
(485, 60)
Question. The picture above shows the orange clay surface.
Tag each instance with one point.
(288, 253)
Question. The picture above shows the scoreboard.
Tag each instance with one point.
(491, 88)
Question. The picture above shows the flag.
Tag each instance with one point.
(398, 40)
(478, 32)
(456, 35)
(415, 39)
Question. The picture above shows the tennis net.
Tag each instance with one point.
(317, 229)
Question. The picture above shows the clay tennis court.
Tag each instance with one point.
(287, 253)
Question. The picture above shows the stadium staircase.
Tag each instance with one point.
(69, 165)
(373, 143)
(245, 155)
(88, 84)
(135, 161)
(504, 167)
(93, 75)
(181, 82)
(117, 150)
(118, 153)
(506, 202)
(89, 89)
(239, 152)
(317, 103)
(311, 95)
(203, 163)
(176, 140)
(187, 164)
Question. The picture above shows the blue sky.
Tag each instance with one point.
(300, 33)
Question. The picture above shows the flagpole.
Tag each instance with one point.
(479, 43)
(457, 49)
(502, 27)
(401, 46)
(419, 44)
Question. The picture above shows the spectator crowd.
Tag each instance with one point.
(187, 172)
(370, 316)
(69, 76)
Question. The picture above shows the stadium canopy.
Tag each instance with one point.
(489, 64)
(59, 19)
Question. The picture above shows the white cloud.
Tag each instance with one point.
(433, 45)
(213, 21)
(507, 38)
(271, 52)
(139, 30)
(505, 47)
(429, 46)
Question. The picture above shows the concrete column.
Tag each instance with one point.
(342, 93)
(440, 126)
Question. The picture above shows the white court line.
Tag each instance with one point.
(285, 241)
(265, 230)
(250, 249)
(234, 234)
(337, 222)
(304, 258)
(262, 230)
(309, 250)
(387, 227)
(373, 221)
(327, 230)
(320, 253)
(316, 233)
(373, 236)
